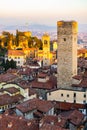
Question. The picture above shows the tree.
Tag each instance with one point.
(9, 64)
(34, 42)
(3, 51)
(12, 64)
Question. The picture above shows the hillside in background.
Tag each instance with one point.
(39, 29)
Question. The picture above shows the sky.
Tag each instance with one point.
(46, 12)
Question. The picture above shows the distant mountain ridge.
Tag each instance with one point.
(38, 27)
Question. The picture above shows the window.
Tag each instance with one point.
(45, 41)
(18, 62)
(74, 94)
(84, 95)
(62, 95)
(67, 95)
(74, 101)
(64, 39)
(3, 108)
(84, 101)
(49, 93)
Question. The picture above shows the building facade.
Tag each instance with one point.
(17, 55)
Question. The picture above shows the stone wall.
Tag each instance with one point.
(67, 52)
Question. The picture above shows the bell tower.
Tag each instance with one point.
(67, 52)
(46, 49)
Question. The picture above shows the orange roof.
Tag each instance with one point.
(15, 53)
(81, 51)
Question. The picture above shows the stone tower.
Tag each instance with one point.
(46, 49)
(67, 52)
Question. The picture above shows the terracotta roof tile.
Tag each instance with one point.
(51, 127)
(40, 85)
(50, 84)
(8, 122)
(12, 90)
(6, 99)
(42, 75)
(41, 105)
(83, 83)
(7, 77)
(77, 77)
(74, 116)
(68, 106)
(15, 53)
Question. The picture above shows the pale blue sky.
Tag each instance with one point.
(42, 11)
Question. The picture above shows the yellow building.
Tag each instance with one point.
(46, 55)
(31, 52)
(46, 49)
(55, 46)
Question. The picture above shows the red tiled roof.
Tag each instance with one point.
(32, 91)
(39, 85)
(23, 84)
(41, 105)
(51, 127)
(68, 106)
(77, 77)
(15, 53)
(26, 71)
(7, 77)
(74, 116)
(55, 120)
(42, 75)
(50, 84)
(8, 122)
(6, 99)
(12, 90)
(83, 83)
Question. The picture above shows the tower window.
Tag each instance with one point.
(67, 95)
(64, 39)
(45, 41)
(84, 95)
(62, 95)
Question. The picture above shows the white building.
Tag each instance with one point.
(17, 55)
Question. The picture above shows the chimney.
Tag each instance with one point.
(20, 117)
(10, 125)
(29, 123)
(0, 116)
(59, 118)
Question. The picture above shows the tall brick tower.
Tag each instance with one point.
(67, 52)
